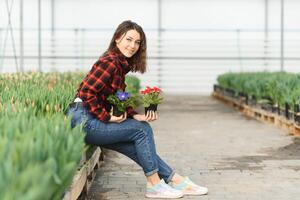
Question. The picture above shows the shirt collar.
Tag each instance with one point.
(122, 60)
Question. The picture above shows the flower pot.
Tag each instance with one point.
(267, 107)
(282, 112)
(229, 92)
(215, 88)
(116, 112)
(252, 100)
(297, 114)
(152, 107)
(274, 109)
(243, 97)
(297, 118)
(286, 111)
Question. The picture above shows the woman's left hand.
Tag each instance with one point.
(150, 116)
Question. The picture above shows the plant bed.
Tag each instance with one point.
(243, 98)
(282, 112)
(266, 107)
(275, 109)
(297, 118)
(48, 151)
(265, 115)
(85, 174)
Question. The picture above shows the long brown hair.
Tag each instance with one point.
(138, 61)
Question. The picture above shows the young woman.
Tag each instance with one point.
(129, 134)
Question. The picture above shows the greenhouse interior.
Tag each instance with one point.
(141, 99)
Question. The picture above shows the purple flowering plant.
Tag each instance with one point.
(122, 95)
(120, 101)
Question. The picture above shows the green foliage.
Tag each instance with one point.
(49, 93)
(133, 84)
(276, 88)
(39, 151)
(38, 155)
(152, 98)
(121, 105)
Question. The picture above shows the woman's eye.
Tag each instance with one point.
(128, 39)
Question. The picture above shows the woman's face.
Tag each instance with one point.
(129, 43)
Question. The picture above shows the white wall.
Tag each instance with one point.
(192, 28)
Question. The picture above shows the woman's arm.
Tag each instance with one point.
(95, 83)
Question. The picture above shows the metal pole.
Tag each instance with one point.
(76, 48)
(1, 55)
(82, 47)
(10, 29)
(52, 31)
(39, 37)
(159, 74)
(266, 32)
(21, 37)
(238, 45)
(282, 36)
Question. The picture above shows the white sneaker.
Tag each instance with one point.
(187, 187)
(163, 191)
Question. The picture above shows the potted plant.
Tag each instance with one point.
(151, 98)
(297, 114)
(120, 101)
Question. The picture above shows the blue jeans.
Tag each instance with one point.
(130, 137)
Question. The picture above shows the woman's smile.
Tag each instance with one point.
(129, 43)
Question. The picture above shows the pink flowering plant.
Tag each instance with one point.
(120, 101)
(151, 97)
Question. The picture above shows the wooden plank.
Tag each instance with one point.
(296, 130)
(77, 185)
(91, 163)
(83, 178)
(261, 115)
(90, 180)
(82, 161)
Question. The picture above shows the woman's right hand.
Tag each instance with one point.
(118, 119)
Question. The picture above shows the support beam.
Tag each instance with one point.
(21, 37)
(53, 32)
(159, 32)
(282, 37)
(266, 40)
(39, 37)
(52, 16)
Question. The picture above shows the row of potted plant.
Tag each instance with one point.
(39, 152)
(277, 92)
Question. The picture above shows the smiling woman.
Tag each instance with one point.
(130, 133)
(129, 40)
(129, 43)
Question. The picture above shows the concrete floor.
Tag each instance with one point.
(216, 146)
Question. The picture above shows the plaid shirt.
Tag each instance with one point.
(106, 77)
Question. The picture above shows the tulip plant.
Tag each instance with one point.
(39, 152)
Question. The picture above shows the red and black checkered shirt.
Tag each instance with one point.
(106, 77)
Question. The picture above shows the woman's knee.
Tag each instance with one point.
(145, 126)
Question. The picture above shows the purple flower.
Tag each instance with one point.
(122, 95)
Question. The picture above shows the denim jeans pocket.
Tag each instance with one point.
(77, 113)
